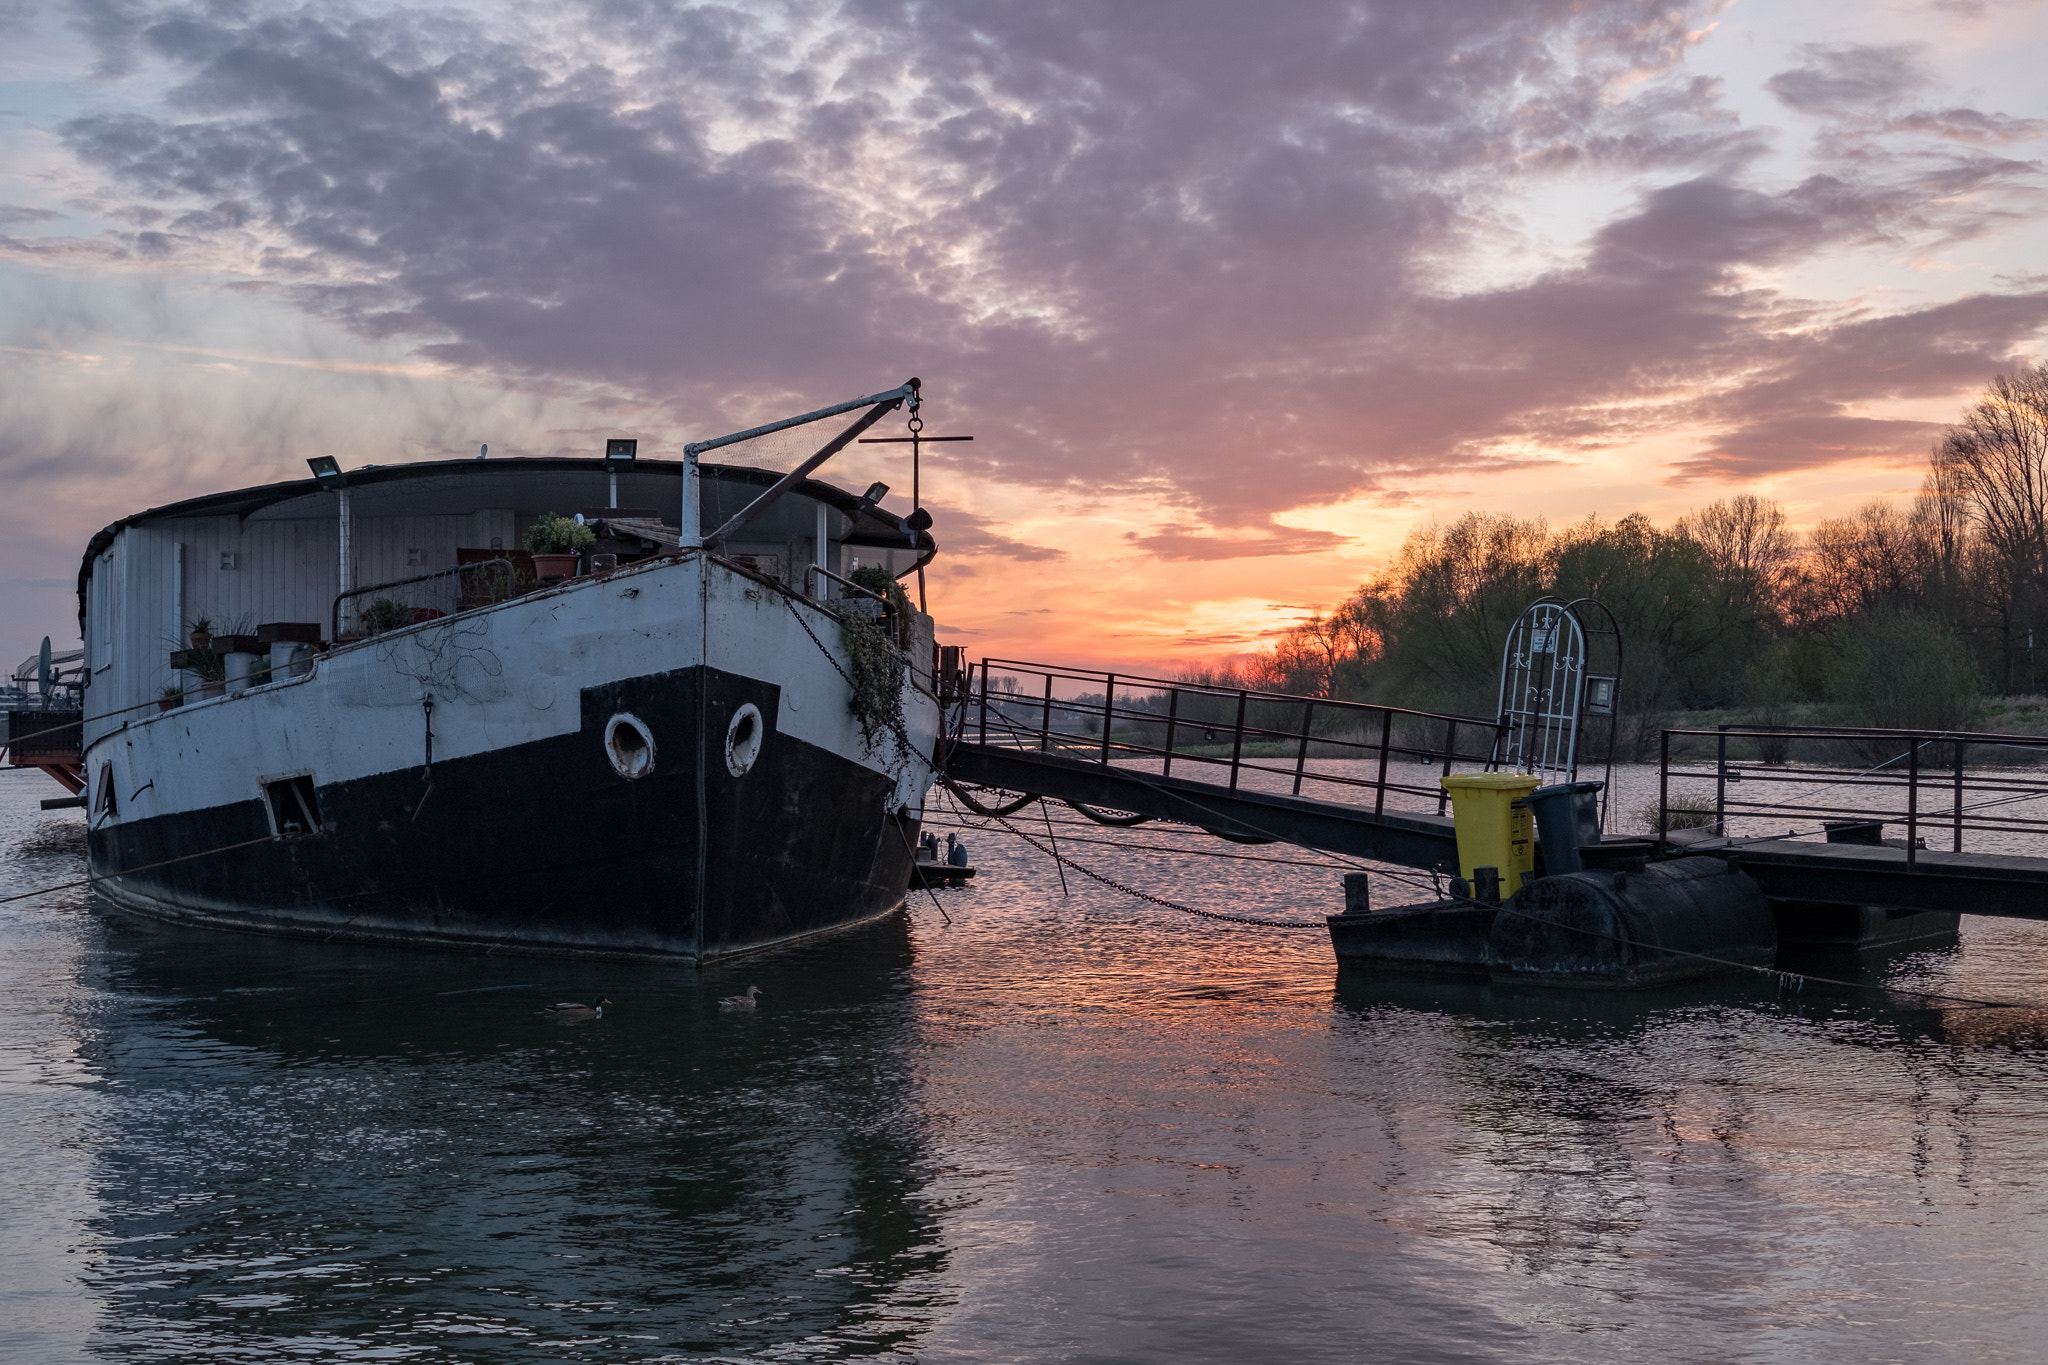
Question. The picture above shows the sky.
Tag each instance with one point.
(1232, 297)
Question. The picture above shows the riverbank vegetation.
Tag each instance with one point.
(1905, 613)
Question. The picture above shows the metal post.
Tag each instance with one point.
(1379, 801)
(346, 575)
(1664, 791)
(1237, 740)
(1108, 713)
(1308, 712)
(1912, 799)
(1959, 796)
(1172, 715)
(1045, 722)
(1721, 783)
(690, 530)
(1450, 751)
(984, 701)
(821, 532)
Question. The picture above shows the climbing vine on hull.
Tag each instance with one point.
(875, 660)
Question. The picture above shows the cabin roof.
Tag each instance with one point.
(463, 485)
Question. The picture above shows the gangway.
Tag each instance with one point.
(1805, 811)
(1244, 764)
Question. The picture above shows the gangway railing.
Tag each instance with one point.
(1939, 787)
(1228, 736)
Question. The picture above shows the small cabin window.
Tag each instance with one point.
(103, 802)
(294, 806)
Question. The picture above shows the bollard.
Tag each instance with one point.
(1486, 885)
(1357, 895)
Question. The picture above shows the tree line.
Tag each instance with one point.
(1900, 615)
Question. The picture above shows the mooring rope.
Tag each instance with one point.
(1799, 979)
(131, 871)
(1161, 901)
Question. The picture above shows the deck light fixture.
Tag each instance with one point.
(876, 492)
(327, 470)
(621, 450)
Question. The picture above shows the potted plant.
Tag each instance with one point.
(213, 672)
(171, 696)
(202, 634)
(384, 614)
(556, 541)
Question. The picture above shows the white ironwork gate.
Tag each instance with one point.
(1542, 676)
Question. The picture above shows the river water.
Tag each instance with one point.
(1060, 1127)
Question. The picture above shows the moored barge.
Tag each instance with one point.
(396, 723)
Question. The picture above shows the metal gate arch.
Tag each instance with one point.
(1542, 687)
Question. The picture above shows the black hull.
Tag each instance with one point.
(543, 847)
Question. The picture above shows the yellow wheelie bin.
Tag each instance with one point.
(1494, 828)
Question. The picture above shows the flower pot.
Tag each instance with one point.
(213, 687)
(554, 566)
(166, 703)
(202, 639)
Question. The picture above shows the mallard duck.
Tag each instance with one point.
(740, 1002)
(571, 1011)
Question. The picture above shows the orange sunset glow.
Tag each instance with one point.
(1231, 301)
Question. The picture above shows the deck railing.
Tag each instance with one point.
(1225, 735)
(1847, 784)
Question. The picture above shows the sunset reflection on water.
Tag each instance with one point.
(1063, 1126)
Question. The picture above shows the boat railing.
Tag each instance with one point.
(502, 584)
(816, 571)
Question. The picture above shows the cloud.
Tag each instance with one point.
(964, 534)
(1145, 249)
(1186, 542)
(1851, 77)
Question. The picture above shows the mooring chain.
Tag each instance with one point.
(1162, 901)
(909, 747)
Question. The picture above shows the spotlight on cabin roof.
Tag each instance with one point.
(327, 470)
(620, 450)
(876, 492)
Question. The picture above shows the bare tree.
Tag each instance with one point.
(1745, 537)
(1998, 457)
(1879, 557)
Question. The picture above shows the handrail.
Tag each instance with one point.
(811, 591)
(1037, 720)
(334, 612)
(1214, 689)
(1810, 783)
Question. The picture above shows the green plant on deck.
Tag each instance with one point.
(555, 534)
(210, 665)
(875, 660)
(882, 583)
(1686, 810)
(384, 614)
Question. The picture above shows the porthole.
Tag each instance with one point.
(743, 739)
(629, 744)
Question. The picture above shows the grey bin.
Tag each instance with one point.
(1567, 815)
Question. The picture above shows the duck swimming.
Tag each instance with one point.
(740, 1002)
(572, 1012)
